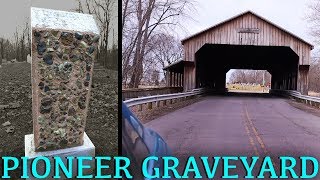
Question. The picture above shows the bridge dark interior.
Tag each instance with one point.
(213, 61)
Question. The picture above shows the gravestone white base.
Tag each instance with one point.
(87, 150)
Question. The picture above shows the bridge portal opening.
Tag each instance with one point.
(213, 61)
(246, 80)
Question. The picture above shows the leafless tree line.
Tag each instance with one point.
(314, 20)
(250, 76)
(17, 48)
(146, 27)
(314, 75)
(104, 11)
(164, 50)
(314, 70)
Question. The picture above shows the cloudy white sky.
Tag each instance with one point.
(13, 14)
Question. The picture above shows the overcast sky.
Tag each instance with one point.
(66, 5)
(15, 13)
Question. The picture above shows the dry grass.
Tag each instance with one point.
(312, 93)
(247, 88)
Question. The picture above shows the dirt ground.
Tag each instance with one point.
(304, 107)
(15, 107)
(147, 115)
(247, 88)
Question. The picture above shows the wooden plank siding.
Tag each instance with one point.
(228, 33)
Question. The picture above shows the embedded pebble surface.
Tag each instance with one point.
(63, 62)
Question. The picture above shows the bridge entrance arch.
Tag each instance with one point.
(213, 61)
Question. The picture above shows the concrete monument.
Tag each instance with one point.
(64, 46)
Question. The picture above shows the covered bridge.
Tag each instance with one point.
(246, 41)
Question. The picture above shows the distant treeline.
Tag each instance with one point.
(19, 46)
(250, 76)
(105, 13)
(314, 75)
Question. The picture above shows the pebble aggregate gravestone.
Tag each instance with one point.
(63, 50)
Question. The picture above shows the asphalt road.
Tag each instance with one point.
(241, 124)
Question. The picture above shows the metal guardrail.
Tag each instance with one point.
(143, 92)
(315, 101)
(295, 94)
(164, 97)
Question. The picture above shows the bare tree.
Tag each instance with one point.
(166, 50)
(7, 49)
(238, 76)
(314, 78)
(79, 9)
(1, 50)
(16, 44)
(314, 20)
(141, 19)
(19, 47)
(250, 76)
(28, 38)
(155, 77)
(151, 77)
(103, 11)
(23, 48)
